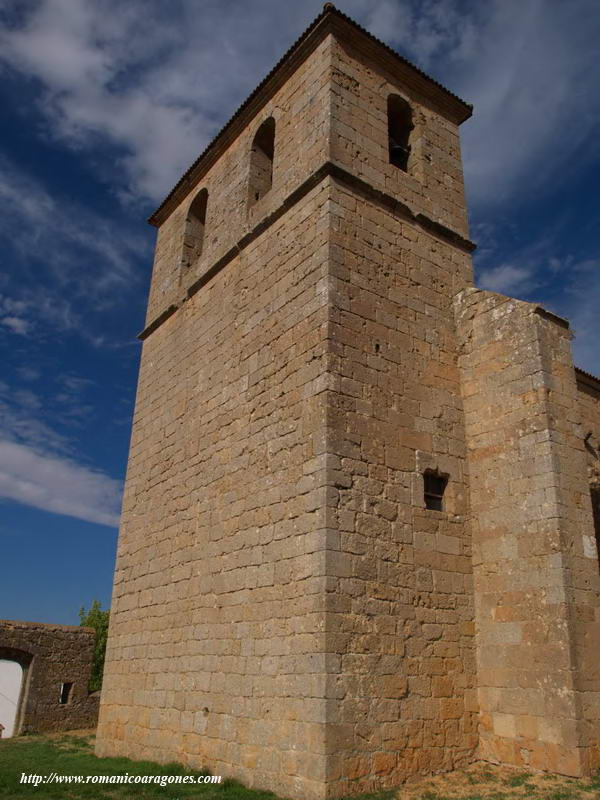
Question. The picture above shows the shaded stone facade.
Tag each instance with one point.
(56, 662)
(534, 552)
(287, 609)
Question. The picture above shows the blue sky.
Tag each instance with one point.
(105, 103)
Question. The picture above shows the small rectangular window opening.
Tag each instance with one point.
(65, 693)
(435, 486)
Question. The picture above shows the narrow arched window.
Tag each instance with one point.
(400, 125)
(194, 229)
(261, 161)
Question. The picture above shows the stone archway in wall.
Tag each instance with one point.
(15, 667)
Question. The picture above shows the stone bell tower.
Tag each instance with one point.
(293, 601)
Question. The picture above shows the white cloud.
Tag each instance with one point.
(27, 373)
(69, 258)
(426, 30)
(529, 67)
(12, 315)
(92, 254)
(507, 279)
(16, 325)
(532, 79)
(157, 80)
(566, 285)
(153, 81)
(38, 465)
(579, 302)
(18, 424)
(57, 484)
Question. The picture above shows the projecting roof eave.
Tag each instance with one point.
(331, 20)
(587, 378)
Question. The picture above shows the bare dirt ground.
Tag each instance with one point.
(482, 781)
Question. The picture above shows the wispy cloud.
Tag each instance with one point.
(157, 81)
(508, 279)
(429, 30)
(532, 77)
(17, 423)
(16, 325)
(57, 484)
(530, 69)
(92, 254)
(39, 466)
(565, 284)
(578, 302)
(12, 316)
(70, 258)
(153, 80)
(28, 373)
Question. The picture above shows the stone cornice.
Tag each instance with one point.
(550, 315)
(342, 176)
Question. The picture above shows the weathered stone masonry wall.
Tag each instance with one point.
(216, 651)
(588, 396)
(51, 655)
(433, 184)
(400, 609)
(536, 584)
(285, 609)
(301, 113)
(588, 403)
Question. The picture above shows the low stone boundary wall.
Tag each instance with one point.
(56, 662)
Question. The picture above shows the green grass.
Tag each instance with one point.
(72, 755)
(518, 780)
